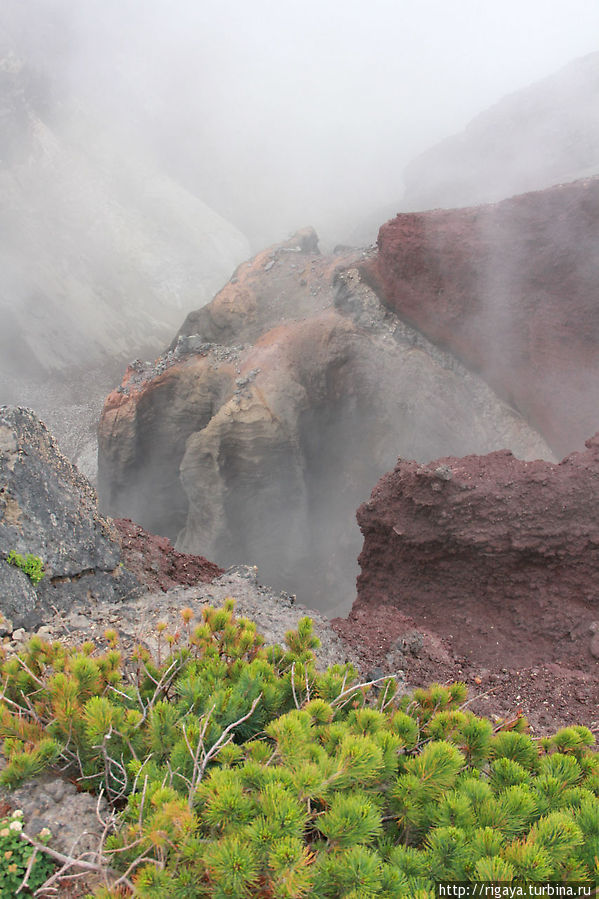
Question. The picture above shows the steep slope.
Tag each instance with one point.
(101, 254)
(279, 404)
(542, 135)
(511, 289)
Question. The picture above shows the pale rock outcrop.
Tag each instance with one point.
(258, 448)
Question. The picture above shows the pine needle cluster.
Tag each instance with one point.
(242, 771)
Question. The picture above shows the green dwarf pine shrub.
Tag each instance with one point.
(31, 565)
(241, 771)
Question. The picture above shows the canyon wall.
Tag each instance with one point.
(511, 289)
(278, 405)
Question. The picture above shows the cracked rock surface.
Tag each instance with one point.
(48, 509)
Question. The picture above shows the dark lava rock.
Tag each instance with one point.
(48, 509)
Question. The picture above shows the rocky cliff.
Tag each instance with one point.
(539, 136)
(511, 289)
(275, 410)
(49, 510)
(484, 569)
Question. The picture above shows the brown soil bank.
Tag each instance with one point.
(511, 289)
(494, 562)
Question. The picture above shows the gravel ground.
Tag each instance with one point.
(136, 619)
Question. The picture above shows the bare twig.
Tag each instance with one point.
(161, 685)
(144, 857)
(24, 665)
(383, 703)
(69, 861)
(297, 705)
(143, 801)
(474, 698)
(21, 709)
(358, 687)
(27, 875)
(31, 709)
(224, 738)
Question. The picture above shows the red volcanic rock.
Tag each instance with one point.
(156, 563)
(499, 557)
(512, 289)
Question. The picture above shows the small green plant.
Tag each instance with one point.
(238, 770)
(31, 565)
(22, 867)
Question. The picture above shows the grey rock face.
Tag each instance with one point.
(17, 596)
(56, 804)
(48, 510)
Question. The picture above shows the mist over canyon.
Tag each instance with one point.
(281, 386)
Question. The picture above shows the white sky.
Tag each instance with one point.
(282, 114)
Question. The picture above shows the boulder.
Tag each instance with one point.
(48, 510)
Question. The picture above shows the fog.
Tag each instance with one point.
(278, 115)
(147, 147)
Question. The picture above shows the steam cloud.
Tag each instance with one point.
(273, 115)
(279, 115)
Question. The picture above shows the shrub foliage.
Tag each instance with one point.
(31, 565)
(241, 771)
